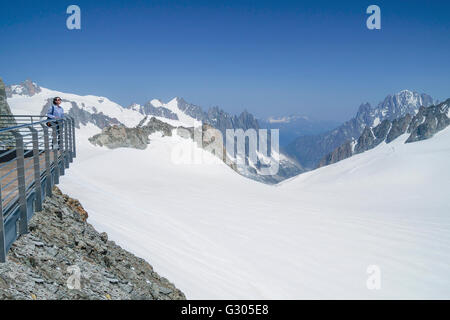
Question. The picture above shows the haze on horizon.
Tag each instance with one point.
(272, 58)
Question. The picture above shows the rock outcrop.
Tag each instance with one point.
(340, 153)
(119, 136)
(423, 125)
(62, 247)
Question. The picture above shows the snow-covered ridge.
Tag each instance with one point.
(31, 101)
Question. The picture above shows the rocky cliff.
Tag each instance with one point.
(62, 247)
(5, 122)
(421, 126)
(4, 107)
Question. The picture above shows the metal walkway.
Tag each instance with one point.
(33, 155)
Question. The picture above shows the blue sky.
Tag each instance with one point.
(315, 58)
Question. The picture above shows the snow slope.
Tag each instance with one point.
(216, 234)
(22, 104)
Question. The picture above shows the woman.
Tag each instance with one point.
(55, 112)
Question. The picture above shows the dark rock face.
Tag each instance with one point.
(40, 264)
(365, 141)
(309, 150)
(341, 153)
(399, 127)
(26, 88)
(428, 121)
(192, 110)
(218, 118)
(149, 109)
(4, 107)
(381, 131)
(5, 122)
(423, 125)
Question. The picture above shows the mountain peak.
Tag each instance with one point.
(27, 88)
(156, 102)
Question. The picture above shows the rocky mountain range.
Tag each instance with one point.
(423, 125)
(309, 150)
(214, 117)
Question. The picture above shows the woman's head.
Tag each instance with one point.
(57, 101)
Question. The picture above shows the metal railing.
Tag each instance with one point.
(34, 153)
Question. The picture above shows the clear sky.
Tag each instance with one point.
(315, 58)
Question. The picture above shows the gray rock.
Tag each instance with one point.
(366, 141)
(42, 272)
(428, 121)
(104, 237)
(399, 127)
(118, 136)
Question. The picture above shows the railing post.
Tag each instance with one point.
(61, 147)
(69, 129)
(23, 222)
(55, 151)
(2, 232)
(66, 143)
(37, 169)
(48, 173)
(74, 140)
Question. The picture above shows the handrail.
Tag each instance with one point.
(26, 125)
(32, 158)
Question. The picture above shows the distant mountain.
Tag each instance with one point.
(422, 126)
(294, 126)
(215, 116)
(26, 88)
(309, 150)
